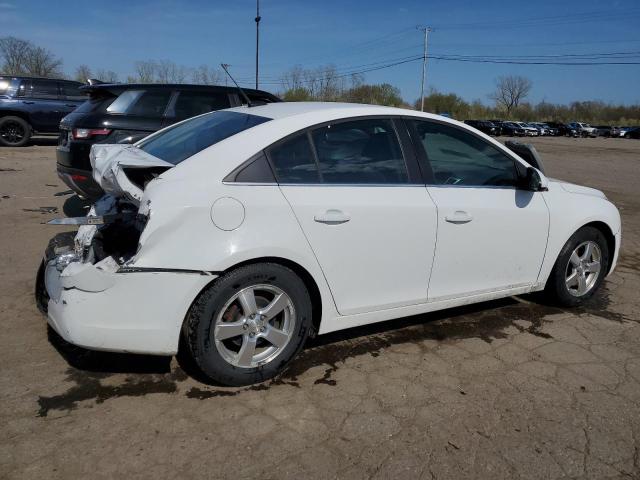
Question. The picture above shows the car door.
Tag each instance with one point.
(364, 210)
(72, 97)
(492, 235)
(42, 99)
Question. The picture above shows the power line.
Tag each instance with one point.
(555, 20)
(577, 59)
(516, 62)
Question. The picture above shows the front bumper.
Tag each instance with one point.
(100, 308)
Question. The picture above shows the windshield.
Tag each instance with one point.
(185, 139)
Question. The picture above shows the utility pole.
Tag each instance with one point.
(258, 18)
(426, 31)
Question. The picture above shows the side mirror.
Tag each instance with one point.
(535, 181)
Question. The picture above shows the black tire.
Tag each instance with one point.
(14, 132)
(64, 240)
(556, 289)
(201, 320)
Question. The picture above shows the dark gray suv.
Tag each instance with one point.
(126, 113)
(31, 105)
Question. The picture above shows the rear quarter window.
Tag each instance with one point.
(144, 103)
(190, 104)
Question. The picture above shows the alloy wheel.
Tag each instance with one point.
(583, 268)
(12, 132)
(254, 326)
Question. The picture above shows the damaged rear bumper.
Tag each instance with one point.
(102, 306)
(100, 302)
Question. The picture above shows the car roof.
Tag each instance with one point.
(283, 110)
(119, 87)
(290, 118)
(26, 77)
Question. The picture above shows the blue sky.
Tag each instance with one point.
(348, 33)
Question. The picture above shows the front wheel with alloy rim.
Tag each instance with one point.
(248, 325)
(14, 132)
(580, 268)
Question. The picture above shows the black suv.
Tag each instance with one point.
(485, 126)
(126, 113)
(31, 105)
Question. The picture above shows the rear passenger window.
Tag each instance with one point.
(360, 152)
(293, 161)
(191, 104)
(44, 89)
(144, 103)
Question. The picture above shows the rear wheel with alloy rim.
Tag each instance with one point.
(14, 132)
(249, 324)
(580, 268)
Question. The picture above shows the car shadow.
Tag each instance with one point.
(107, 362)
(43, 141)
(328, 348)
(486, 321)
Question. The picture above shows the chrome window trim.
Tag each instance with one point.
(377, 185)
(254, 184)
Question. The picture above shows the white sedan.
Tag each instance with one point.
(247, 230)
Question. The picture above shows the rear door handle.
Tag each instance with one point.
(70, 105)
(458, 217)
(27, 102)
(332, 217)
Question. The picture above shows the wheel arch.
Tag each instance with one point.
(303, 273)
(607, 232)
(17, 113)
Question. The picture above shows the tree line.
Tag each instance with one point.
(325, 83)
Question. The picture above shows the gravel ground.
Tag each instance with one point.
(507, 389)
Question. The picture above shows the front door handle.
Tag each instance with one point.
(70, 105)
(332, 217)
(28, 102)
(458, 217)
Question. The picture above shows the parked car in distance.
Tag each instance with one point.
(632, 133)
(244, 231)
(485, 126)
(32, 105)
(541, 131)
(126, 113)
(584, 129)
(529, 131)
(623, 130)
(563, 129)
(604, 130)
(512, 129)
(545, 129)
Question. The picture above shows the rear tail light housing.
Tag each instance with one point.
(84, 133)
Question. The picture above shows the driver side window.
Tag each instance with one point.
(460, 158)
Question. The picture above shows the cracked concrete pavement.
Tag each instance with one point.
(506, 389)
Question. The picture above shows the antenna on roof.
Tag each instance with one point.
(244, 95)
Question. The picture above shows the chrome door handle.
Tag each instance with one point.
(459, 217)
(332, 217)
